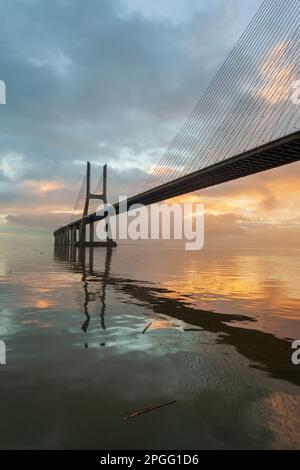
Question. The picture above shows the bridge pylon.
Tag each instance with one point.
(74, 234)
(85, 219)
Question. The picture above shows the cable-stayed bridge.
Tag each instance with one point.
(247, 121)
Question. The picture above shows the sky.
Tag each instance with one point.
(112, 81)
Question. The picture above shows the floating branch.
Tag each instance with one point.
(148, 326)
(146, 410)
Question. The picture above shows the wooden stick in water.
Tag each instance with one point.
(148, 326)
(149, 408)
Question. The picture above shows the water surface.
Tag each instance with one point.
(222, 323)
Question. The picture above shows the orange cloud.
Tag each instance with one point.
(258, 209)
(278, 75)
(43, 186)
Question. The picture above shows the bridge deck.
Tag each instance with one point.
(274, 154)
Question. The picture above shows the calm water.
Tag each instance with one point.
(219, 344)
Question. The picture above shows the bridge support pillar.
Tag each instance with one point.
(92, 232)
(73, 234)
(82, 233)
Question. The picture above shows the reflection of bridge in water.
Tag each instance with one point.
(82, 260)
(264, 350)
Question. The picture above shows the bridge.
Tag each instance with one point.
(247, 121)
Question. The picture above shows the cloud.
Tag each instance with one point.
(253, 211)
(278, 74)
(53, 60)
(11, 167)
(86, 81)
(43, 186)
(48, 220)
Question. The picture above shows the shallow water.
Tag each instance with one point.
(219, 343)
